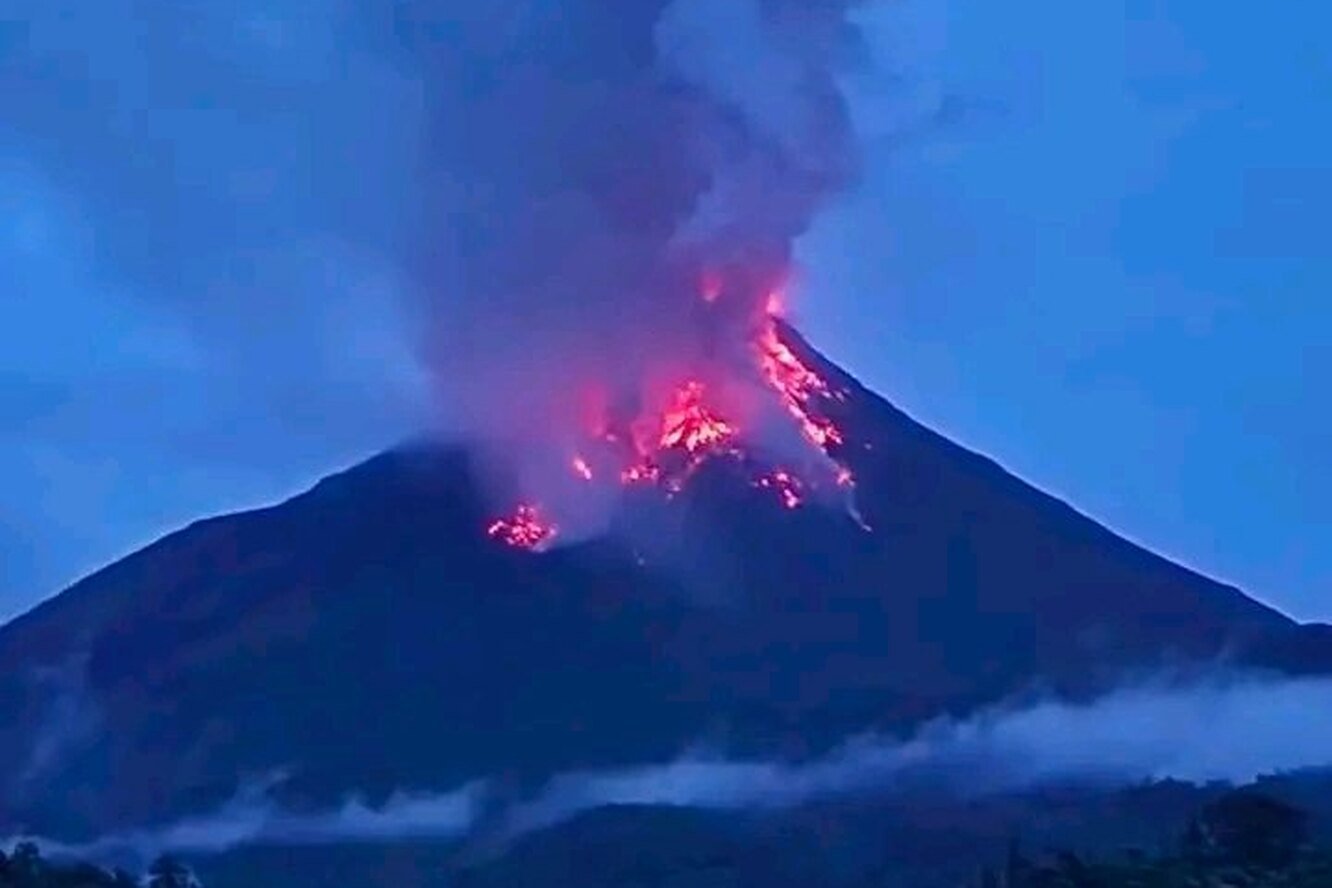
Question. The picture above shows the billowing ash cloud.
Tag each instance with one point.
(1230, 730)
(586, 160)
(254, 225)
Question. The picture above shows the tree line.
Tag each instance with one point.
(1244, 839)
(27, 868)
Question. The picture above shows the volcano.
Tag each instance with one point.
(386, 631)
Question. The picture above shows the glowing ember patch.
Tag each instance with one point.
(788, 487)
(775, 305)
(582, 469)
(643, 473)
(525, 529)
(689, 423)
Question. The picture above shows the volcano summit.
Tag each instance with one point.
(371, 636)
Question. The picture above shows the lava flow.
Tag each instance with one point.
(689, 423)
(797, 385)
(663, 446)
(668, 448)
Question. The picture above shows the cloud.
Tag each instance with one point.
(1230, 729)
(252, 818)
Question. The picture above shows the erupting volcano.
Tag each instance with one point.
(666, 441)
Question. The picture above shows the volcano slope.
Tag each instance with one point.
(368, 636)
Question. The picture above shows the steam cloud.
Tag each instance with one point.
(1232, 730)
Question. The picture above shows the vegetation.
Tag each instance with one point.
(1242, 840)
(1237, 839)
(27, 868)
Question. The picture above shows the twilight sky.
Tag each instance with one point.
(1098, 262)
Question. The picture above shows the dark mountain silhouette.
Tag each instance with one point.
(367, 635)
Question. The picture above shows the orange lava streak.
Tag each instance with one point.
(525, 529)
(797, 385)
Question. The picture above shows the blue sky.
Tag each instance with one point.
(1111, 272)
(1090, 242)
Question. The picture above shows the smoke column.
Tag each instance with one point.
(586, 162)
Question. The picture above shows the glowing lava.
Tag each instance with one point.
(688, 422)
(662, 446)
(797, 386)
(525, 529)
(788, 487)
(666, 449)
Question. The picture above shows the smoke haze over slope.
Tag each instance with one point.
(247, 288)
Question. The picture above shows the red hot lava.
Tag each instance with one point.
(525, 529)
(797, 385)
(788, 487)
(665, 446)
(689, 423)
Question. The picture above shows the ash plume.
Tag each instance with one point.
(334, 223)
(587, 161)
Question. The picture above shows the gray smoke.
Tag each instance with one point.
(586, 160)
(284, 233)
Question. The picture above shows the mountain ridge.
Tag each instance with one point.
(374, 607)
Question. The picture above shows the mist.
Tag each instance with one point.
(1231, 729)
(252, 818)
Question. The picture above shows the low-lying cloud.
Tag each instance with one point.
(1230, 730)
(252, 818)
